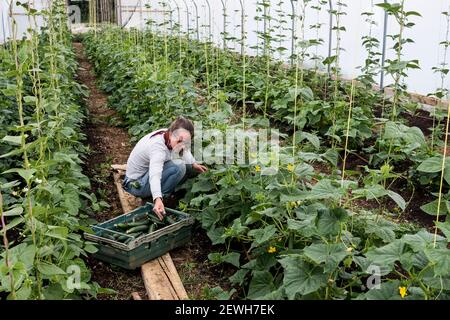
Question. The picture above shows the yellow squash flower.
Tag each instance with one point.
(272, 249)
(290, 167)
(402, 291)
(257, 168)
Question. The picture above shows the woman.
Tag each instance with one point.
(159, 162)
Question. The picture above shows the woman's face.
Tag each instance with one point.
(179, 139)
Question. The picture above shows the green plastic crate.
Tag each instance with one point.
(144, 248)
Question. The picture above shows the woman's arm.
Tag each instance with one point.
(189, 159)
(156, 165)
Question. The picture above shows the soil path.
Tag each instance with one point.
(107, 144)
(110, 143)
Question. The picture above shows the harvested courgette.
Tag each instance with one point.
(169, 220)
(137, 229)
(123, 238)
(153, 218)
(108, 236)
(152, 227)
(129, 225)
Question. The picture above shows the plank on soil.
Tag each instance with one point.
(160, 276)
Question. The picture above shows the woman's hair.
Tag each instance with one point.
(182, 123)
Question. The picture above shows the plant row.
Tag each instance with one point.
(297, 234)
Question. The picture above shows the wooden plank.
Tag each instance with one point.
(156, 282)
(167, 263)
(160, 276)
(128, 202)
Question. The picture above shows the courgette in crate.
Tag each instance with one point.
(123, 238)
(136, 234)
(152, 227)
(169, 220)
(154, 218)
(108, 236)
(137, 229)
(131, 224)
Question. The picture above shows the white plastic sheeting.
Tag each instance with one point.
(23, 22)
(430, 29)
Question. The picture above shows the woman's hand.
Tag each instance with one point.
(159, 209)
(199, 168)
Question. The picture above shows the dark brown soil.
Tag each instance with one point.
(108, 145)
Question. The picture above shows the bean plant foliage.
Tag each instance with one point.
(298, 234)
(44, 203)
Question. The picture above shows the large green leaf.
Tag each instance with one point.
(202, 186)
(24, 173)
(260, 285)
(17, 211)
(440, 258)
(262, 262)
(49, 269)
(387, 255)
(324, 190)
(216, 235)
(23, 293)
(262, 235)
(301, 277)
(445, 228)
(421, 240)
(90, 248)
(236, 228)
(312, 138)
(431, 165)
(239, 277)
(376, 191)
(434, 165)
(304, 170)
(328, 221)
(17, 140)
(330, 254)
(398, 199)
(209, 217)
(57, 232)
(232, 258)
(304, 228)
(386, 291)
(72, 201)
(14, 223)
(54, 292)
(431, 208)
(383, 229)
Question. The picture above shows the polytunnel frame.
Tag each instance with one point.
(167, 2)
(123, 24)
(187, 18)
(178, 15)
(383, 50)
(209, 20)
(196, 19)
(293, 15)
(224, 32)
(242, 28)
(330, 34)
